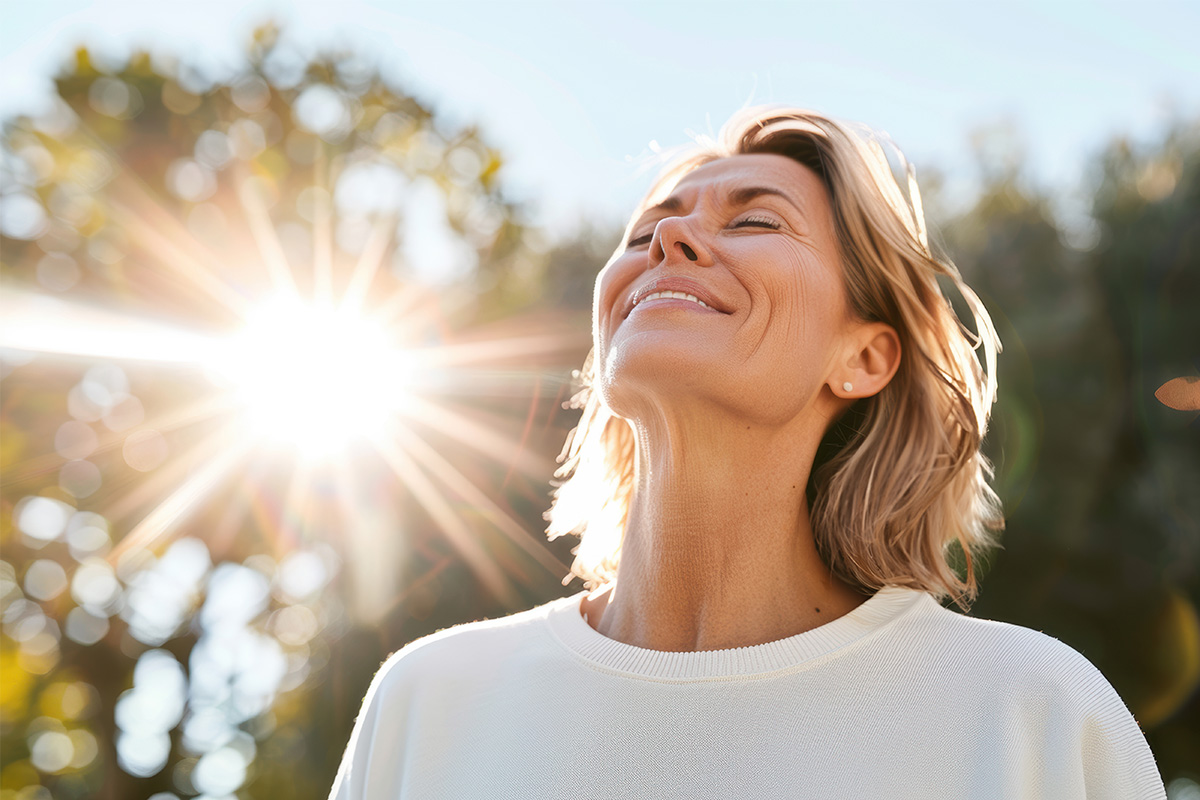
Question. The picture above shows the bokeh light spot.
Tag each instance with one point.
(301, 575)
(126, 412)
(42, 517)
(39, 654)
(220, 772)
(143, 754)
(213, 150)
(87, 534)
(51, 751)
(294, 625)
(322, 110)
(155, 704)
(190, 181)
(161, 594)
(75, 439)
(95, 586)
(206, 729)
(79, 478)
(251, 94)
(104, 383)
(145, 449)
(45, 579)
(79, 699)
(85, 747)
(113, 97)
(15, 615)
(36, 792)
(85, 627)
(21, 216)
(236, 595)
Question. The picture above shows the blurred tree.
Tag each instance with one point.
(235, 659)
(1147, 509)
(571, 265)
(154, 191)
(1098, 478)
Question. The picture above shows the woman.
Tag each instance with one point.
(780, 450)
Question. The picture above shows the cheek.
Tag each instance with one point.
(603, 289)
(791, 299)
(600, 302)
(799, 294)
(804, 303)
(597, 294)
(611, 284)
(821, 326)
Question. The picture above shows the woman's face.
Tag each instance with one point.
(751, 238)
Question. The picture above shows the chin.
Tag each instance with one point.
(661, 368)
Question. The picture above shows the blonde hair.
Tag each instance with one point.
(899, 478)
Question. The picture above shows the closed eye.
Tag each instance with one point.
(756, 222)
(759, 222)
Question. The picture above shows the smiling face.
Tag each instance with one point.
(728, 292)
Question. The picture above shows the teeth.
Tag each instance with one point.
(673, 295)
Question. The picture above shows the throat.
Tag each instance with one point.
(593, 607)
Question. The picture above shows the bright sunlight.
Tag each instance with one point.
(313, 378)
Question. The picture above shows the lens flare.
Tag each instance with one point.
(313, 378)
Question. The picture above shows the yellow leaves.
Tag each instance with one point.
(18, 775)
(83, 63)
(12, 447)
(273, 163)
(264, 39)
(16, 685)
(490, 169)
(68, 700)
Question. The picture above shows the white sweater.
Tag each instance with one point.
(900, 698)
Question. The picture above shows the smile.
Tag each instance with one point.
(675, 287)
(670, 296)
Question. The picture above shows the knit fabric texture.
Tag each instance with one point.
(900, 698)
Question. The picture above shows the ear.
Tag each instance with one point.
(874, 359)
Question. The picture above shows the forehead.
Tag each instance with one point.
(763, 170)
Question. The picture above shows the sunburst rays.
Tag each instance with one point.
(230, 454)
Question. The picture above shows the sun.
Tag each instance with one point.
(313, 378)
(309, 300)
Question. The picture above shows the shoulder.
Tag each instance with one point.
(1008, 656)
(463, 649)
(1044, 694)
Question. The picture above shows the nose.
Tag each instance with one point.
(674, 240)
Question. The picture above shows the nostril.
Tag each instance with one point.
(689, 252)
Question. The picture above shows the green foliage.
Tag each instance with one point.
(159, 192)
(1098, 477)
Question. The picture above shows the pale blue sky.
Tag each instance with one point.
(575, 92)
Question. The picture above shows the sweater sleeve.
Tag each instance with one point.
(368, 769)
(1117, 761)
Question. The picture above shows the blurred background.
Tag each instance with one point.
(291, 296)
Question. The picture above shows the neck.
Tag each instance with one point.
(718, 549)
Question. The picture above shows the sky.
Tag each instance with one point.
(579, 95)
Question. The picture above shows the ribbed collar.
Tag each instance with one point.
(565, 618)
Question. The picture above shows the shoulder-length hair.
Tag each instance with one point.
(899, 478)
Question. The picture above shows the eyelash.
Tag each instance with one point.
(765, 222)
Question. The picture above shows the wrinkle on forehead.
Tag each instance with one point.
(795, 181)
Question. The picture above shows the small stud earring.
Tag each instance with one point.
(847, 386)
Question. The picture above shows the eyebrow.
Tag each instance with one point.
(737, 197)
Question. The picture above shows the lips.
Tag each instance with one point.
(683, 285)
